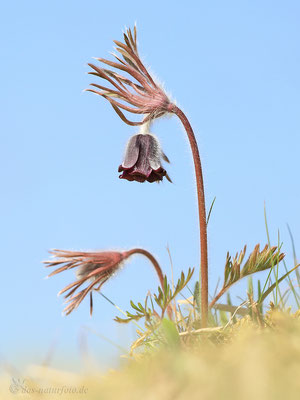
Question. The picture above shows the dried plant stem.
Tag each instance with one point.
(202, 212)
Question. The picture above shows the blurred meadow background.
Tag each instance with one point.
(234, 69)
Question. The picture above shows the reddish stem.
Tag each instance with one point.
(157, 269)
(220, 294)
(202, 212)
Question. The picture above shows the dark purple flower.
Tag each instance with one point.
(142, 160)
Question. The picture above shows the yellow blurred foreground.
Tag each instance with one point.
(245, 362)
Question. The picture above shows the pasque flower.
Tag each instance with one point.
(142, 161)
(138, 93)
(93, 268)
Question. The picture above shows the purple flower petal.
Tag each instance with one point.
(143, 159)
(131, 153)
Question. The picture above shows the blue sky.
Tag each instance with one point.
(234, 69)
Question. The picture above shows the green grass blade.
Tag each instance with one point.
(210, 210)
(275, 296)
(273, 286)
(296, 296)
(170, 333)
(119, 309)
(294, 253)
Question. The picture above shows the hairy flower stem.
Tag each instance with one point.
(202, 213)
(153, 261)
(157, 269)
(220, 294)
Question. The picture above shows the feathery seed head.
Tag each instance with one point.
(138, 93)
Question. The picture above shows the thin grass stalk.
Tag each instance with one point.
(294, 253)
(275, 298)
(120, 310)
(296, 296)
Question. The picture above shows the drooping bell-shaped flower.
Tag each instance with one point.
(142, 161)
